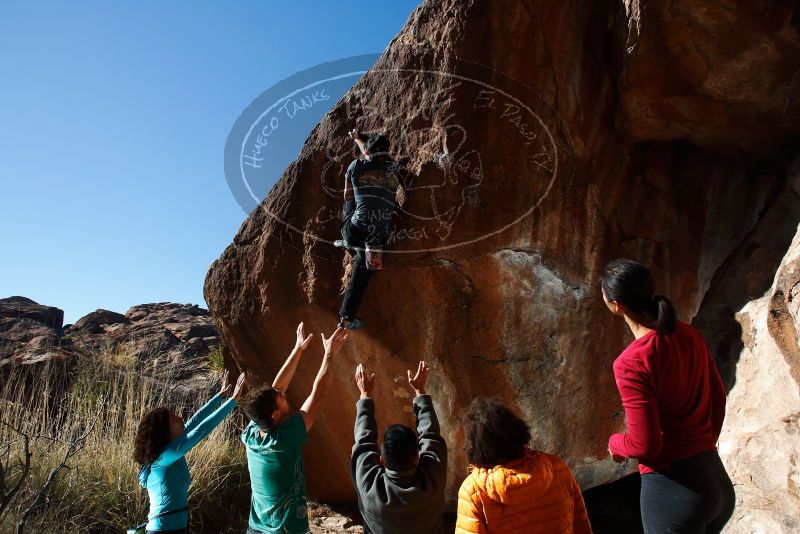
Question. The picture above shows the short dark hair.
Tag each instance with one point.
(377, 144)
(260, 404)
(494, 434)
(399, 447)
(630, 283)
(152, 435)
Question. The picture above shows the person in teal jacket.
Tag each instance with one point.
(162, 441)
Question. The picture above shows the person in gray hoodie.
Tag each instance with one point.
(400, 486)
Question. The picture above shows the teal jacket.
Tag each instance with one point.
(167, 479)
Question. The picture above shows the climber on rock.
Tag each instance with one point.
(370, 187)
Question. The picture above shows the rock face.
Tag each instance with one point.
(29, 332)
(760, 443)
(162, 338)
(538, 140)
(169, 339)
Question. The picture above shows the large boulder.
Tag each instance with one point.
(30, 332)
(715, 73)
(759, 442)
(95, 321)
(537, 141)
(168, 340)
(25, 308)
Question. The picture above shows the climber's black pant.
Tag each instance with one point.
(692, 496)
(359, 277)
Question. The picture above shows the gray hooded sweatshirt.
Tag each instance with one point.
(405, 501)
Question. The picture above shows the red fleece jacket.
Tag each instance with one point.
(673, 397)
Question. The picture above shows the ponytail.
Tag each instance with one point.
(664, 314)
(630, 283)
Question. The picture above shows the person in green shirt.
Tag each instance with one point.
(274, 437)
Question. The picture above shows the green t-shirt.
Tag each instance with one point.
(278, 502)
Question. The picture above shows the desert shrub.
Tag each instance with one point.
(98, 491)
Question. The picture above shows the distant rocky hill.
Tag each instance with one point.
(159, 338)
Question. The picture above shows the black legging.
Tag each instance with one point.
(692, 496)
(360, 276)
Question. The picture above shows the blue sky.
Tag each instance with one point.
(114, 119)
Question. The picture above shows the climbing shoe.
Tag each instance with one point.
(353, 324)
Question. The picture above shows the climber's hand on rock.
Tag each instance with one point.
(353, 133)
(420, 380)
(335, 342)
(365, 383)
(239, 388)
(302, 341)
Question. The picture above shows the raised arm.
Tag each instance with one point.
(207, 409)
(321, 383)
(359, 139)
(366, 429)
(285, 375)
(213, 403)
(178, 448)
(432, 446)
(365, 460)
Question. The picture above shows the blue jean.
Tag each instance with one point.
(691, 496)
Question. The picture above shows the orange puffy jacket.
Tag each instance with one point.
(535, 494)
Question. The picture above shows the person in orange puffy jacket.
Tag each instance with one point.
(512, 488)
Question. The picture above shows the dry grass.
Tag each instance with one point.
(99, 492)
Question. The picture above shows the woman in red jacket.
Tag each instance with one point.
(674, 405)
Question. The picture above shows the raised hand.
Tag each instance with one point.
(364, 382)
(353, 134)
(335, 342)
(420, 380)
(225, 388)
(302, 341)
(240, 384)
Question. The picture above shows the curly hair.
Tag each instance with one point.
(152, 436)
(494, 434)
(260, 404)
